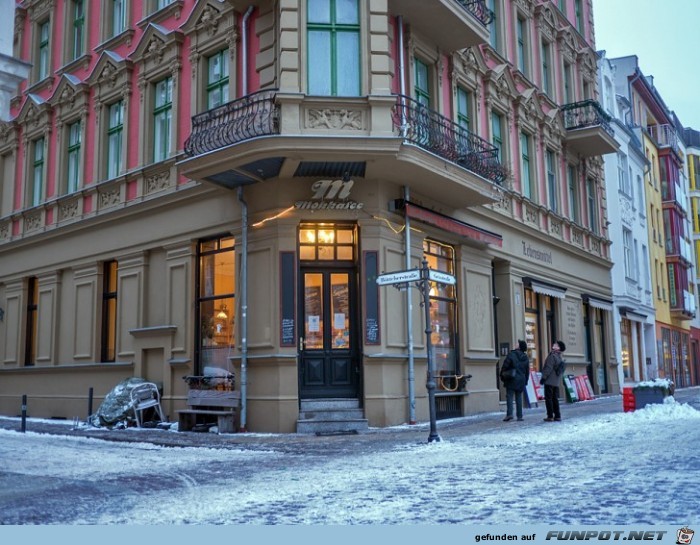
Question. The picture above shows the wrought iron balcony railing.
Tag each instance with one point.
(478, 9)
(433, 132)
(242, 119)
(664, 135)
(586, 113)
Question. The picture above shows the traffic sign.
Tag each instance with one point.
(398, 277)
(441, 277)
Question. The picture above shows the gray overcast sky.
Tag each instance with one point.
(665, 36)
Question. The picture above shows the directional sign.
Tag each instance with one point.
(441, 277)
(398, 277)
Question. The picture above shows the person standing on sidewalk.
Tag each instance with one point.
(515, 374)
(551, 378)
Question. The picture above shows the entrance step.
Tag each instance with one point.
(328, 416)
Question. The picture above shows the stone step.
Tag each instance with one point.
(329, 403)
(332, 426)
(332, 414)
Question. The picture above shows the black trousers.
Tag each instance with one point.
(551, 401)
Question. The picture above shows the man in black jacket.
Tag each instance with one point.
(515, 374)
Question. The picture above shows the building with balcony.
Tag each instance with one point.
(691, 138)
(634, 313)
(667, 208)
(217, 185)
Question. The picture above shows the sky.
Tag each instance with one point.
(665, 36)
(611, 468)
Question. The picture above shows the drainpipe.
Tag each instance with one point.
(409, 320)
(244, 47)
(244, 309)
(402, 74)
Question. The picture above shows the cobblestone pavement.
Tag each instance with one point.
(325, 445)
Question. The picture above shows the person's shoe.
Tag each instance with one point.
(558, 419)
(508, 419)
(520, 419)
(549, 419)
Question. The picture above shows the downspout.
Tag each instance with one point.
(402, 74)
(244, 47)
(244, 242)
(244, 309)
(409, 319)
(407, 237)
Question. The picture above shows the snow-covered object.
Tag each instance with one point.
(117, 405)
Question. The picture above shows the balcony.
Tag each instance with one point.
(451, 24)
(392, 138)
(665, 136)
(682, 304)
(588, 129)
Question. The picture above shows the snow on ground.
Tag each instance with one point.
(614, 468)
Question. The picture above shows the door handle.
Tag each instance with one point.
(301, 343)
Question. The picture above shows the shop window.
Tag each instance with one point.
(532, 337)
(443, 308)
(333, 37)
(626, 338)
(31, 327)
(109, 312)
(215, 302)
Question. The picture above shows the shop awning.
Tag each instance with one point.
(596, 302)
(545, 288)
(447, 223)
(630, 314)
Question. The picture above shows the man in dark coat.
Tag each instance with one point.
(551, 378)
(515, 374)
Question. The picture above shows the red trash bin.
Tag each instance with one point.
(628, 404)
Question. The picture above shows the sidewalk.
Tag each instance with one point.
(374, 439)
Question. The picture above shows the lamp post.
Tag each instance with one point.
(430, 383)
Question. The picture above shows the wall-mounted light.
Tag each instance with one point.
(496, 299)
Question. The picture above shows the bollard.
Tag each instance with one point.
(89, 403)
(24, 413)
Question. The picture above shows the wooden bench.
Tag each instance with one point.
(221, 404)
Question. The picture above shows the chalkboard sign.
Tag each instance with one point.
(287, 292)
(371, 298)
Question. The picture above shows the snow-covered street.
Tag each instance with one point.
(612, 468)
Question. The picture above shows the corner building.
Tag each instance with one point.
(196, 185)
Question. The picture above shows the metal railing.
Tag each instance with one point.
(478, 9)
(434, 132)
(242, 119)
(664, 135)
(587, 113)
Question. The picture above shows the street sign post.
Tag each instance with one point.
(441, 277)
(399, 277)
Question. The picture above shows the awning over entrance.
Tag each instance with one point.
(447, 223)
(545, 288)
(595, 302)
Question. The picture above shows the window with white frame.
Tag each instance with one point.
(622, 173)
(546, 67)
(333, 38)
(162, 119)
(115, 139)
(522, 41)
(73, 152)
(118, 12)
(568, 84)
(552, 185)
(627, 247)
(592, 201)
(526, 166)
(572, 185)
(217, 79)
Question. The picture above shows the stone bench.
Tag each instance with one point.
(221, 404)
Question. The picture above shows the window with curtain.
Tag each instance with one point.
(162, 117)
(333, 38)
(217, 79)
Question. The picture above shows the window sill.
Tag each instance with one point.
(173, 10)
(123, 38)
(81, 62)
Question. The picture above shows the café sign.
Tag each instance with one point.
(330, 195)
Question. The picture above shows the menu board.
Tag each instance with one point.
(371, 298)
(531, 335)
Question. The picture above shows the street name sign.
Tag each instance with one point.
(441, 277)
(398, 277)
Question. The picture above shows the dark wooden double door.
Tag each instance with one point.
(328, 353)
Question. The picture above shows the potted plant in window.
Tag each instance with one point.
(652, 391)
